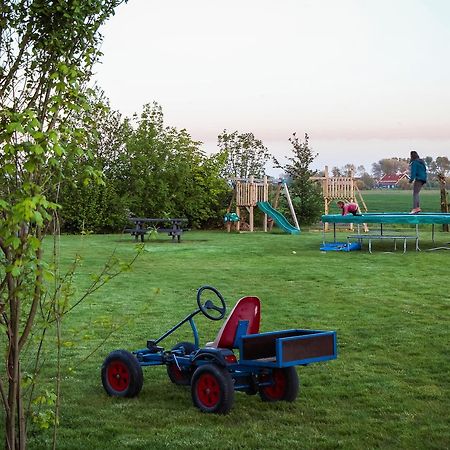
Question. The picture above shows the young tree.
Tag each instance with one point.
(306, 195)
(245, 155)
(47, 50)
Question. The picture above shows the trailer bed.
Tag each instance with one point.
(287, 348)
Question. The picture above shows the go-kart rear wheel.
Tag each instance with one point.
(284, 387)
(176, 374)
(212, 389)
(122, 374)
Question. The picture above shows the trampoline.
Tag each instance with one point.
(386, 218)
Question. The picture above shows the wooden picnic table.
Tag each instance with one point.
(173, 227)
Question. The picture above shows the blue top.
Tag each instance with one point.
(418, 170)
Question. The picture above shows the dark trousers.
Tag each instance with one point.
(417, 186)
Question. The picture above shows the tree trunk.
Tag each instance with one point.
(13, 436)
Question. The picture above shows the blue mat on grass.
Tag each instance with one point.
(340, 247)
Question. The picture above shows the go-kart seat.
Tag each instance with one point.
(245, 317)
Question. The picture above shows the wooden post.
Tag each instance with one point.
(444, 198)
(251, 201)
(265, 198)
(275, 203)
(233, 197)
(326, 195)
(291, 206)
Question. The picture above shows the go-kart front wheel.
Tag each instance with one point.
(212, 389)
(176, 374)
(283, 387)
(121, 374)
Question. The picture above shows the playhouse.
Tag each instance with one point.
(250, 194)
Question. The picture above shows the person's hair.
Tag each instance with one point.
(414, 154)
(340, 202)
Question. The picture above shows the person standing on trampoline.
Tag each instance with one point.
(418, 176)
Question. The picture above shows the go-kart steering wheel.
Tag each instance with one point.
(208, 305)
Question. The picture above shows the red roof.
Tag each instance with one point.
(392, 178)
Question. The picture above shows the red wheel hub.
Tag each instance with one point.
(278, 389)
(208, 390)
(118, 376)
(176, 372)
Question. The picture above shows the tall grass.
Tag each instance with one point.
(389, 387)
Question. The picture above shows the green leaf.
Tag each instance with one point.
(15, 242)
(9, 149)
(9, 168)
(48, 275)
(13, 270)
(30, 166)
(37, 149)
(38, 218)
(63, 69)
(53, 136)
(58, 149)
(14, 126)
(34, 242)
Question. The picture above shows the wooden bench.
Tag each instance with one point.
(395, 237)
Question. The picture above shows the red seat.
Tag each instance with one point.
(246, 309)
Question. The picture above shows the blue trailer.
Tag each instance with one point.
(239, 359)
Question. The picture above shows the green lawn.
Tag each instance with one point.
(389, 387)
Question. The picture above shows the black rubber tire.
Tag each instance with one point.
(212, 389)
(285, 387)
(122, 374)
(177, 376)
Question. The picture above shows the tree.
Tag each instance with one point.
(443, 165)
(360, 171)
(349, 170)
(47, 50)
(390, 166)
(336, 172)
(367, 182)
(245, 155)
(97, 206)
(306, 195)
(164, 172)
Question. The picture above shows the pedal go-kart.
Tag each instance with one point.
(265, 364)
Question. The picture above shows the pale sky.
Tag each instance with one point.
(366, 79)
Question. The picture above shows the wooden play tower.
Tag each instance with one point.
(247, 193)
(339, 188)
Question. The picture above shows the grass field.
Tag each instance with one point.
(389, 387)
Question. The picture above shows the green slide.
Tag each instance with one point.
(278, 218)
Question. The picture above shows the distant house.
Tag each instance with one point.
(391, 181)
